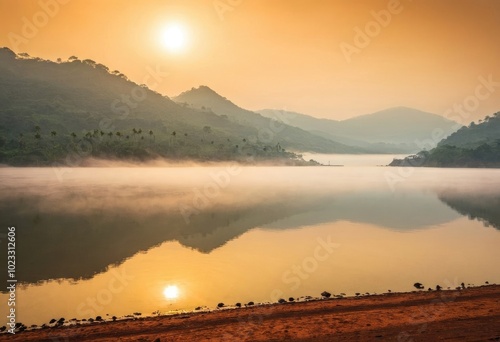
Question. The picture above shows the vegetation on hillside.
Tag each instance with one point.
(66, 111)
(272, 130)
(477, 145)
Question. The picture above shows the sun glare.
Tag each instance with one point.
(174, 37)
(171, 292)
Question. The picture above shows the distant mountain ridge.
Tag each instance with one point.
(394, 130)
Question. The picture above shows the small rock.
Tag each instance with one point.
(281, 301)
(220, 305)
(291, 299)
(52, 321)
(238, 305)
(326, 294)
(250, 303)
(418, 286)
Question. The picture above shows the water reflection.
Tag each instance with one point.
(100, 230)
(56, 241)
(483, 207)
(171, 292)
(77, 229)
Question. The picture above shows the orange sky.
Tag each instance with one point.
(284, 54)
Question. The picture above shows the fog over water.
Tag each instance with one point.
(235, 233)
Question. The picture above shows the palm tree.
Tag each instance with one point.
(151, 134)
(53, 133)
(37, 129)
(139, 133)
(118, 134)
(110, 135)
(73, 135)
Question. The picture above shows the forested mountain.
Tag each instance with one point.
(270, 129)
(474, 135)
(50, 110)
(477, 145)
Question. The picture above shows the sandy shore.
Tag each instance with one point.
(467, 315)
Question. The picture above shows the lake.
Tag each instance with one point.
(119, 240)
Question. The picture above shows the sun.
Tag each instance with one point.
(174, 37)
(171, 292)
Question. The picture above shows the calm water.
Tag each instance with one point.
(99, 241)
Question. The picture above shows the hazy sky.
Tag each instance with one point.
(327, 58)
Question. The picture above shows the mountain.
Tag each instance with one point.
(474, 135)
(394, 130)
(58, 111)
(269, 130)
(477, 145)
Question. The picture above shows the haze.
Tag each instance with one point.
(280, 54)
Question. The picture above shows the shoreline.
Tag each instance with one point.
(467, 314)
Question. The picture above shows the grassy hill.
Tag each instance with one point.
(52, 110)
